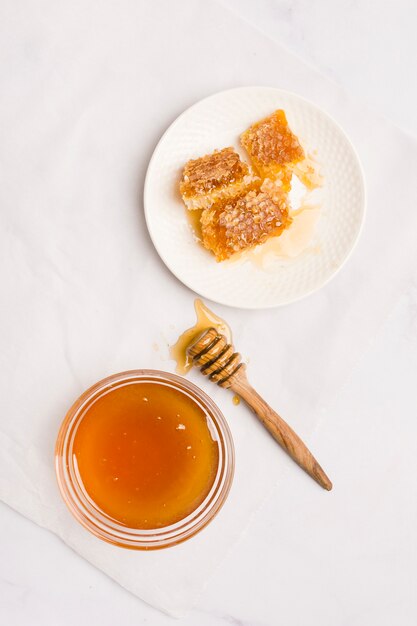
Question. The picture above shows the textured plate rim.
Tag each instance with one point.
(255, 306)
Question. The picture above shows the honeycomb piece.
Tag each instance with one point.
(210, 178)
(272, 147)
(236, 224)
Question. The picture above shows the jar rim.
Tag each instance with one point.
(103, 526)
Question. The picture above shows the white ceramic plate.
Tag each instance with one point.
(216, 122)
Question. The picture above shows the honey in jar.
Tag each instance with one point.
(146, 454)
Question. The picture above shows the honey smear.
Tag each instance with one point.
(205, 319)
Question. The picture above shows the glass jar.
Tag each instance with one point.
(105, 527)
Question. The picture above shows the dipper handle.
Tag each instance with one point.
(217, 360)
(280, 430)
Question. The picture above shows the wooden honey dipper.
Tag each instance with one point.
(218, 360)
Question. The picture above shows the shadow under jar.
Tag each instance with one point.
(144, 459)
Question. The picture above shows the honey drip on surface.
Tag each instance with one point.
(236, 400)
(205, 319)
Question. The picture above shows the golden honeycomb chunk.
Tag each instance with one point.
(215, 176)
(236, 224)
(272, 147)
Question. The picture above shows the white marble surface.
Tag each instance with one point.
(338, 565)
(368, 47)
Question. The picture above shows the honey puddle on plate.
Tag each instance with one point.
(205, 319)
(289, 245)
(293, 241)
(194, 220)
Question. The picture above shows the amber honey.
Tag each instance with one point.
(271, 145)
(205, 319)
(146, 454)
(214, 176)
(246, 221)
